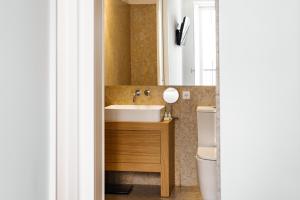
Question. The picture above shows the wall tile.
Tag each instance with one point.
(117, 43)
(143, 44)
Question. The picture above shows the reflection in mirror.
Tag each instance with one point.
(194, 61)
(131, 44)
(156, 42)
(205, 43)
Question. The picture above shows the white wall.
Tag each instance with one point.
(260, 99)
(80, 100)
(26, 130)
(174, 54)
(188, 50)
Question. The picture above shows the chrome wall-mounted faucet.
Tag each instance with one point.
(137, 93)
(147, 92)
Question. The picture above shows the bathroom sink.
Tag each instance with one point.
(134, 113)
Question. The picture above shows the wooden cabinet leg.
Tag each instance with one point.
(164, 173)
(167, 161)
(164, 185)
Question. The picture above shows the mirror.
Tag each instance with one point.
(171, 95)
(156, 42)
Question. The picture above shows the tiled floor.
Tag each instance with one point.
(153, 193)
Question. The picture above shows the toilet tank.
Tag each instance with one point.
(206, 119)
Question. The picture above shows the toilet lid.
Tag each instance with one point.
(207, 153)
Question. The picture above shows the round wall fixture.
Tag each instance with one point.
(171, 95)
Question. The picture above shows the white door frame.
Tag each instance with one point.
(80, 103)
(99, 88)
(53, 100)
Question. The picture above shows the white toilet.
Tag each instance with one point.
(207, 152)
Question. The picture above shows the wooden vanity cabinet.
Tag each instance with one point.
(142, 147)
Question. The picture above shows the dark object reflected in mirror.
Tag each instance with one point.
(182, 31)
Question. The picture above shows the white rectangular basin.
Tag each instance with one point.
(134, 113)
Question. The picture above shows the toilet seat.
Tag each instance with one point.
(207, 153)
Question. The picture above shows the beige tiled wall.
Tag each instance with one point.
(143, 44)
(130, 44)
(185, 129)
(117, 43)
